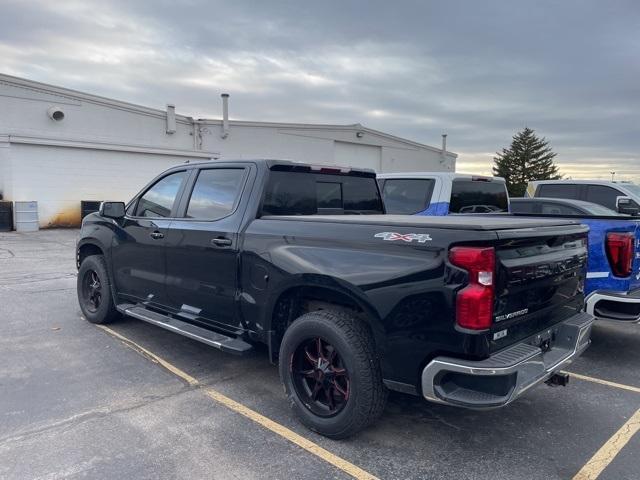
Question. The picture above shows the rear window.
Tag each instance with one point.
(302, 193)
(559, 191)
(472, 196)
(407, 196)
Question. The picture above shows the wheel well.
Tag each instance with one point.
(300, 300)
(87, 250)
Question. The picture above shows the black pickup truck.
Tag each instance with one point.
(463, 310)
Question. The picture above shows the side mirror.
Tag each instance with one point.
(627, 206)
(113, 210)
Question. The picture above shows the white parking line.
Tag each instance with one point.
(603, 457)
(622, 386)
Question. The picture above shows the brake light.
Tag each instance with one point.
(620, 253)
(474, 303)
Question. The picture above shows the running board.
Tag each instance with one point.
(225, 343)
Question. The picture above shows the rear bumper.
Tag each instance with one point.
(622, 306)
(504, 376)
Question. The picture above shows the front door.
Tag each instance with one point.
(138, 250)
(202, 248)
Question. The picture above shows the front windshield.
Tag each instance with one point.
(633, 188)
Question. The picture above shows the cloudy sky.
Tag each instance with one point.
(477, 70)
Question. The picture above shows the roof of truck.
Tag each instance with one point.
(447, 175)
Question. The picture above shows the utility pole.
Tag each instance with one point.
(613, 174)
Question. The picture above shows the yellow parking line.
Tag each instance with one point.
(604, 382)
(609, 450)
(284, 432)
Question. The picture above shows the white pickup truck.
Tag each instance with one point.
(442, 193)
(622, 197)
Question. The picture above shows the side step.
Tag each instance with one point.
(227, 344)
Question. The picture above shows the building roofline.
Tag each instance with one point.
(97, 99)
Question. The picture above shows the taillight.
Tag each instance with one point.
(474, 303)
(620, 253)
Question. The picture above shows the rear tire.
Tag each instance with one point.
(94, 291)
(331, 373)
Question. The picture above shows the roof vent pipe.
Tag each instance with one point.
(444, 144)
(225, 115)
(171, 119)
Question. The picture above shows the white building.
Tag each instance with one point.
(60, 146)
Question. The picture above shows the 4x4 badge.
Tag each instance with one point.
(405, 237)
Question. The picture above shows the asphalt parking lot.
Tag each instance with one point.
(80, 401)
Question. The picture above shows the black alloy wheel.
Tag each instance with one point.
(320, 377)
(92, 290)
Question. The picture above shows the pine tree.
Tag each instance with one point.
(528, 158)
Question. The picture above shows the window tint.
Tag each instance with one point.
(407, 196)
(559, 191)
(215, 192)
(302, 193)
(159, 199)
(555, 209)
(605, 196)
(595, 209)
(468, 196)
(329, 195)
(523, 207)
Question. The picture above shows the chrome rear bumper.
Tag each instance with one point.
(504, 376)
(621, 306)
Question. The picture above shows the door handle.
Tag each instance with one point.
(221, 242)
(156, 235)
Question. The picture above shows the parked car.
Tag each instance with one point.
(442, 193)
(622, 197)
(613, 280)
(560, 206)
(237, 253)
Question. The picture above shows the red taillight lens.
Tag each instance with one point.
(474, 303)
(620, 253)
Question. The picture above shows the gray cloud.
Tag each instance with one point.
(477, 70)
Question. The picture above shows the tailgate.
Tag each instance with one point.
(540, 280)
(635, 276)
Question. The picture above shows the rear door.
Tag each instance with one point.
(202, 246)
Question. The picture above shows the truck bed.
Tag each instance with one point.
(456, 222)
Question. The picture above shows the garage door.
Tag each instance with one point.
(357, 155)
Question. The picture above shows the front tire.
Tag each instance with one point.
(331, 374)
(94, 291)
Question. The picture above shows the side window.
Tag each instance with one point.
(523, 207)
(556, 190)
(407, 196)
(605, 196)
(215, 193)
(555, 209)
(159, 199)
